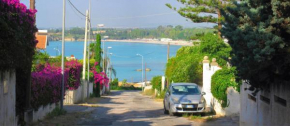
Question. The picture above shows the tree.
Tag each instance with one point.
(259, 34)
(195, 10)
(98, 52)
(98, 57)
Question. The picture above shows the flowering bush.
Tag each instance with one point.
(17, 35)
(46, 85)
(99, 78)
(74, 74)
(47, 80)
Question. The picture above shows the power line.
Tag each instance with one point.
(76, 12)
(76, 8)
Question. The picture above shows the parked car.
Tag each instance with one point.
(184, 98)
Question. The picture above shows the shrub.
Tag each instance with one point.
(46, 86)
(156, 83)
(46, 82)
(221, 80)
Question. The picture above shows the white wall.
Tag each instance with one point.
(42, 112)
(7, 98)
(233, 96)
(256, 111)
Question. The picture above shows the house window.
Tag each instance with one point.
(251, 97)
(280, 101)
(264, 99)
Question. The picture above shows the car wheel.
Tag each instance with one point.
(171, 113)
(165, 111)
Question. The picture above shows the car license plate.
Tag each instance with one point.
(189, 106)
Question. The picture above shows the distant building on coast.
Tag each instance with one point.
(165, 39)
(41, 36)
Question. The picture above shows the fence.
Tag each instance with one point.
(266, 107)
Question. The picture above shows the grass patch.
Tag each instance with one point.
(148, 92)
(55, 112)
(198, 117)
(125, 88)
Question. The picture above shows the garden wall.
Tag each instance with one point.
(78, 95)
(233, 96)
(42, 111)
(7, 98)
(268, 107)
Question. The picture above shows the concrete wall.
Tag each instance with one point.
(267, 107)
(8, 98)
(42, 112)
(79, 95)
(233, 96)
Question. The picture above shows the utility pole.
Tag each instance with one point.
(62, 56)
(145, 75)
(85, 47)
(168, 50)
(32, 4)
(89, 49)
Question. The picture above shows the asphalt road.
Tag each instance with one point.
(130, 108)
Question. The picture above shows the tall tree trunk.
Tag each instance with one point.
(219, 23)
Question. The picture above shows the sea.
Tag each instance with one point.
(124, 57)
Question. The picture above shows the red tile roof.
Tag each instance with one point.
(42, 41)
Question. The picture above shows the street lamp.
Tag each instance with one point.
(142, 69)
(57, 50)
(108, 60)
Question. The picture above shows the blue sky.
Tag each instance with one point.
(112, 13)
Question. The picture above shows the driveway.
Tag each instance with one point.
(129, 108)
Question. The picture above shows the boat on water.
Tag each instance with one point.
(147, 69)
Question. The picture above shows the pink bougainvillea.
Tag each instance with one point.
(99, 78)
(47, 80)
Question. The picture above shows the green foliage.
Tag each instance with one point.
(98, 57)
(214, 47)
(193, 9)
(114, 83)
(186, 66)
(161, 94)
(98, 52)
(259, 34)
(55, 112)
(125, 88)
(221, 80)
(156, 83)
(176, 33)
(124, 82)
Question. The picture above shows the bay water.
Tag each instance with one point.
(124, 58)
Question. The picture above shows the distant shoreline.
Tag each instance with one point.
(173, 42)
(182, 43)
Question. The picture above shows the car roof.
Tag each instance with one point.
(175, 84)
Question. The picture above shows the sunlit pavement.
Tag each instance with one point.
(130, 108)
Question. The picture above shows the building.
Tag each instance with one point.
(41, 36)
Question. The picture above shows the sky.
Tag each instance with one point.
(111, 13)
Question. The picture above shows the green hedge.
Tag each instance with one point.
(156, 83)
(221, 80)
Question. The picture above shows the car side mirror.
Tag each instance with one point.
(168, 93)
(203, 93)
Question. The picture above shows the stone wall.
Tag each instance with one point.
(266, 107)
(8, 98)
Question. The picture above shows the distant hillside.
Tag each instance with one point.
(175, 33)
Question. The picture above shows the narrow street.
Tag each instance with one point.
(126, 108)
